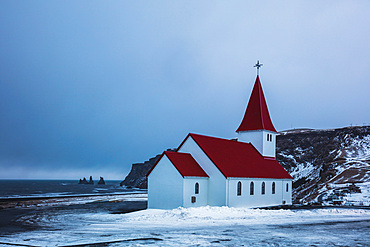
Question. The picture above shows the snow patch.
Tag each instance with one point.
(303, 170)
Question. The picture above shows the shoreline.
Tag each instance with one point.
(44, 201)
(66, 196)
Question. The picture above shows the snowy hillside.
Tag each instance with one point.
(328, 166)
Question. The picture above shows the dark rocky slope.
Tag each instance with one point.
(137, 176)
(318, 160)
(324, 160)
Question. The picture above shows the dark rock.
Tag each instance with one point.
(325, 151)
(83, 181)
(137, 176)
(91, 180)
(101, 181)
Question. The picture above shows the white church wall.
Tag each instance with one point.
(254, 137)
(189, 192)
(165, 186)
(269, 147)
(257, 199)
(259, 140)
(216, 181)
(287, 192)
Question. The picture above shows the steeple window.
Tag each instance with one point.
(269, 137)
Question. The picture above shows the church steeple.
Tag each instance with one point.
(256, 127)
(257, 115)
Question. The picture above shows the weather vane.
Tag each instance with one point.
(258, 65)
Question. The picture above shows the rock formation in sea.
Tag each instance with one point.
(91, 180)
(83, 181)
(101, 181)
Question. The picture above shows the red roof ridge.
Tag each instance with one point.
(240, 142)
(256, 116)
(184, 163)
(192, 135)
(269, 158)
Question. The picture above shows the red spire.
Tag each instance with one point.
(257, 115)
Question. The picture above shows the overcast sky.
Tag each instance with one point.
(90, 87)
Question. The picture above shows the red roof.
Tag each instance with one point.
(257, 115)
(184, 163)
(238, 159)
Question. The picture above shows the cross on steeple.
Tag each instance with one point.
(258, 65)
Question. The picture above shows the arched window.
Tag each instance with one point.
(239, 189)
(287, 187)
(251, 189)
(273, 188)
(263, 188)
(196, 188)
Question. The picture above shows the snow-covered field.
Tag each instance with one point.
(205, 226)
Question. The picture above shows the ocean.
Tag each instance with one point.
(57, 188)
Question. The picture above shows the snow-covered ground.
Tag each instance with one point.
(356, 199)
(204, 226)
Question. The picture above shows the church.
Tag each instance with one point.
(240, 172)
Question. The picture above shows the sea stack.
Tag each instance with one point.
(101, 181)
(83, 181)
(91, 180)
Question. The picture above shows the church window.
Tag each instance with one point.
(263, 188)
(196, 188)
(239, 189)
(193, 199)
(287, 187)
(273, 187)
(251, 189)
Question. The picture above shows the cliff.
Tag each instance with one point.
(137, 176)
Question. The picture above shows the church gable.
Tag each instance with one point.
(165, 185)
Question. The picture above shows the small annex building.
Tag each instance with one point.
(240, 172)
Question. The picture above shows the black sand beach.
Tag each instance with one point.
(12, 211)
